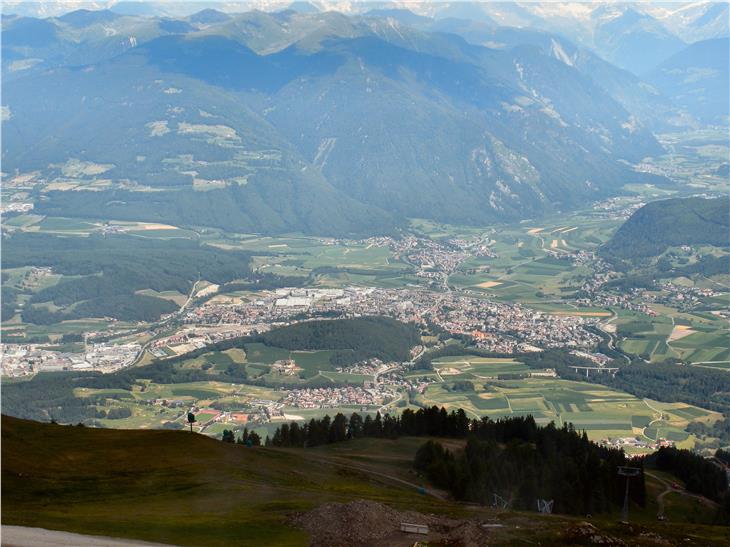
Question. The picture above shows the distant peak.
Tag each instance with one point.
(208, 16)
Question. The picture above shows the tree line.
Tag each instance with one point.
(247, 438)
(432, 421)
(513, 458)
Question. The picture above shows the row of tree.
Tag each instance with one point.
(431, 421)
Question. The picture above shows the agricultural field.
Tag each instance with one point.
(330, 263)
(148, 411)
(73, 226)
(697, 338)
(473, 384)
(472, 367)
(522, 271)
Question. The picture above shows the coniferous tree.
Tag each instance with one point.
(355, 427)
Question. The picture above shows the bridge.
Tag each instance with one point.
(611, 370)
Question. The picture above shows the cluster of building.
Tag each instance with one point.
(632, 300)
(369, 367)
(670, 170)
(28, 359)
(616, 208)
(497, 326)
(34, 276)
(331, 397)
(285, 367)
(593, 289)
(432, 260)
(16, 207)
(397, 380)
(191, 338)
(637, 443)
(598, 358)
(682, 297)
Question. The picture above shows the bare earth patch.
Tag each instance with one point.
(157, 227)
(361, 523)
(680, 331)
(489, 284)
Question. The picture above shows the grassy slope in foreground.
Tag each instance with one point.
(170, 487)
(187, 489)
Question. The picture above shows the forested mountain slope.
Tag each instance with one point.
(320, 123)
(671, 222)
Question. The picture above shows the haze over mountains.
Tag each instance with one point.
(347, 123)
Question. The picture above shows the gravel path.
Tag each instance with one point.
(21, 536)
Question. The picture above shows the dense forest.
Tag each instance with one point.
(360, 338)
(513, 457)
(523, 466)
(124, 307)
(109, 270)
(311, 205)
(9, 302)
(668, 382)
(671, 222)
(707, 265)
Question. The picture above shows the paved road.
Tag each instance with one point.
(21, 536)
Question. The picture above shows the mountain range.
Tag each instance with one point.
(328, 123)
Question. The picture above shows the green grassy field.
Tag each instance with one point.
(470, 366)
(186, 489)
(311, 362)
